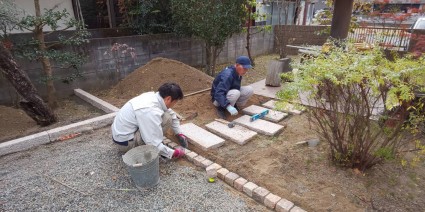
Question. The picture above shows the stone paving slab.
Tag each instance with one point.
(289, 108)
(259, 125)
(82, 126)
(261, 89)
(238, 134)
(273, 116)
(96, 102)
(55, 134)
(24, 143)
(200, 137)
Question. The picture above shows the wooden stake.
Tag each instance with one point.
(53, 179)
(196, 92)
(120, 189)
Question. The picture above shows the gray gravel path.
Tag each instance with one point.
(31, 181)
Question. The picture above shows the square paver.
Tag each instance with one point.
(239, 183)
(190, 156)
(216, 166)
(198, 160)
(271, 200)
(238, 134)
(273, 116)
(284, 205)
(172, 144)
(259, 125)
(221, 173)
(211, 171)
(230, 178)
(259, 194)
(249, 187)
(297, 209)
(200, 137)
(166, 141)
(206, 163)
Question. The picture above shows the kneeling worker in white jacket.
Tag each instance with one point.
(145, 118)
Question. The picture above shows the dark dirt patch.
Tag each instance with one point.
(14, 123)
(298, 173)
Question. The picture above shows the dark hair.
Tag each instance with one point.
(171, 89)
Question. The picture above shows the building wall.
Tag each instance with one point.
(26, 7)
(100, 70)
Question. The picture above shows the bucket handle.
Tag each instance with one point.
(138, 165)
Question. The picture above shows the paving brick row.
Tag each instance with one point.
(271, 200)
(200, 137)
(230, 178)
(239, 183)
(259, 194)
(249, 187)
(284, 205)
(260, 126)
(237, 134)
(273, 116)
(221, 173)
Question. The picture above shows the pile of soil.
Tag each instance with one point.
(155, 73)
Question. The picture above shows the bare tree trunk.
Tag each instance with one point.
(341, 18)
(45, 61)
(215, 54)
(208, 59)
(248, 34)
(34, 106)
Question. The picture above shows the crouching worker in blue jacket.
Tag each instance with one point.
(227, 92)
(145, 118)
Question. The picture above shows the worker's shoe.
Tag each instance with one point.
(220, 112)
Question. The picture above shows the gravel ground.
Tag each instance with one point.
(44, 179)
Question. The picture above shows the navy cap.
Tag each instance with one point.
(244, 61)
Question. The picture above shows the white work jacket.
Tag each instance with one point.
(144, 112)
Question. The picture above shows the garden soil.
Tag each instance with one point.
(299, 173)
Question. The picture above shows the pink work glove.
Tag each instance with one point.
(182, 140)
(178, 152)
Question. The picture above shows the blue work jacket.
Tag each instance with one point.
(226, 80)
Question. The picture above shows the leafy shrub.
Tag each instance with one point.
(348, 90)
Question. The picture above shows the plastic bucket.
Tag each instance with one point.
(143, 165)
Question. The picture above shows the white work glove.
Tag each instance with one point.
(232, 110)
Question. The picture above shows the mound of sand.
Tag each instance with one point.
(158, 71)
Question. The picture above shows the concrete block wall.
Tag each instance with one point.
(100, 70)
(302, 35)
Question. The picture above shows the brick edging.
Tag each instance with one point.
(259, 194)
